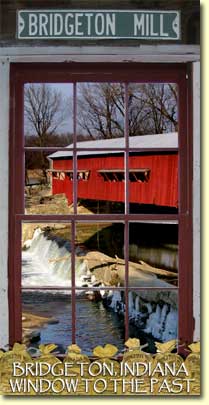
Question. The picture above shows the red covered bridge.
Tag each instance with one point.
(153, 176)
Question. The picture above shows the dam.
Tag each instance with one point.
(46, 283)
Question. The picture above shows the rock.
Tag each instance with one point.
(31, 324)
(94, 296)
(111, 271)
(96, 284)
(47, 204)
(52, 321)
(31, 321)
(31, 336)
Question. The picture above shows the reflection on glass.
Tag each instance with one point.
(100, 250)
(153, 254)
(153, 109)
(48, 184)
(153, 317)
(100, 114)
(46, 255)
(46, 318)
(101, 182)
(98, 319)
(48, 114)
(153, 185)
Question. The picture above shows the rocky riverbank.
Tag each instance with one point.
(108, 271)
(47, 261)
(153, 311)
(31, 326)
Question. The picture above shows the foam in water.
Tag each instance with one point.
(159, 320)
(46, 262)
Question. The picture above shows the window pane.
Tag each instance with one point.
(153, 254)
(153, 317)
(47, 318)
(46, 266)
(153, 110)
(46, 255)
(100, 115)
(101, 257)
(101, 182)
(48, 184)
(48, 114)
(97, 321)
(153, 182)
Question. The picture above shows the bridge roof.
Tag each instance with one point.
(104, 146)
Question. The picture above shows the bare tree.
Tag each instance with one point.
(45, 111)
(152, 109)
(100, 110)
(160, 104)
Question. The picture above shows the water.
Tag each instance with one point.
(152, 313)
(47, 262)
(95, 325)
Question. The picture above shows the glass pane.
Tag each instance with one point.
(48, 184)
(47, 318)
(153, 317)
(48, 114)
(101, 183)
(153, 111)
(46, 266)
(101, 261)
(97, 320)
(100, 115)
(153, 254)
(46, 257)
(153, 185)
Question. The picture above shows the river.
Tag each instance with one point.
(94, 323)
(152, 314)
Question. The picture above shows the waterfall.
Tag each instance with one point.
(46, 261)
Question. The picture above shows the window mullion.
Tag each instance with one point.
(126, 163)
(126, 255)
(126, 229)
(73, 292)
(74, 149)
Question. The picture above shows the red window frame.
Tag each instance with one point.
(180, 74)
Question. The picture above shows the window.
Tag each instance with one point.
(105, 235)
(138, 175)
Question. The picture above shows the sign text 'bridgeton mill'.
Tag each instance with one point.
(100, 24)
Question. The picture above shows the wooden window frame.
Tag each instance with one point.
(22, 73)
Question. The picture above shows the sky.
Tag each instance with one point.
(67, 90)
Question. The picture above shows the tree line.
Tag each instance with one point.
(152, 109)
